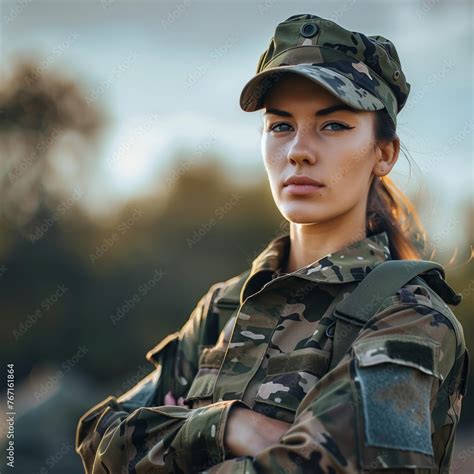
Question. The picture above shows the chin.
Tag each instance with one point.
(303, 214)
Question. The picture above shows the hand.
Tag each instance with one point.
(170, 400)
(247, 432)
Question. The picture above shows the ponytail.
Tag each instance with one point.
(390, 210)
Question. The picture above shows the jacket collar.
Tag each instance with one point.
(351, 263)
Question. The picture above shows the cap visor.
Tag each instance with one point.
(343, 88)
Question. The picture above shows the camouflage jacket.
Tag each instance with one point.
(391, 403)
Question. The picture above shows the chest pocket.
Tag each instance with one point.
(210, 361)
(203, 384)
(288, 379)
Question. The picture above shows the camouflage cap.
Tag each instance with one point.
(362, 71)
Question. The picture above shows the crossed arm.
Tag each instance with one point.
(247, 432)
(362, 415)
(150, 432)
(142, 426)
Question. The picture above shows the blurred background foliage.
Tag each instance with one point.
(80, 294)
(72, 322)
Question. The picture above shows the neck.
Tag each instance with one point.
(311, 242)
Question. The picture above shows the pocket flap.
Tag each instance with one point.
(204, 382)
(202, 386)
(211, 358)
(311, 360)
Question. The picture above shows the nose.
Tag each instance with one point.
(302, 149)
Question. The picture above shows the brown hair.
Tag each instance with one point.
(390, 210)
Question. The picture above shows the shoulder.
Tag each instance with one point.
(227, 293)
(219, 294)
(203, 322)
(421, 309)
(432, 294)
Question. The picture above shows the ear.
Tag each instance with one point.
(386, 156)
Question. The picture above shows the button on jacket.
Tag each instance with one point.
(392, 402)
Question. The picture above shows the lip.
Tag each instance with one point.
(301, 185)
(301, 180)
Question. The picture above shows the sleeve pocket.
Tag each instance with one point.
(407, 350)
(394, 378)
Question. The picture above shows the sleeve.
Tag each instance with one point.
(137, 433)
(373, 412)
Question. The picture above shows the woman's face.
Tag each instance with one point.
(309, 132)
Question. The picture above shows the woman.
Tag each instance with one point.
(293, 383)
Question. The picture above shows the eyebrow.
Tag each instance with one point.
(319, 113)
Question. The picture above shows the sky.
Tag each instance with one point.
(170, 73)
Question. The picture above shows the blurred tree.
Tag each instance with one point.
(41, 112)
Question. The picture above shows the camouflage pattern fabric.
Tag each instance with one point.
(362, 71)
(391, 404)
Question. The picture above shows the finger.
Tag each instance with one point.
(181, 401)
(169, 399)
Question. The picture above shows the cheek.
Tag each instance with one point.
(350, 165)
(273, 153)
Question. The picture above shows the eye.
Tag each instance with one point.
(338, 127)
(274, 127)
